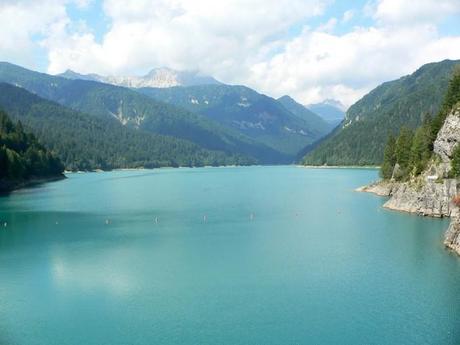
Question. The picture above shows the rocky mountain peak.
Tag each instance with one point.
(162, 77)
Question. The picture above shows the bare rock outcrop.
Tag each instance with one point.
(452, 236)
(448, 137)
(432, 198)
(381, 188)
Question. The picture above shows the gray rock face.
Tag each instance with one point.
(452, 236)
(381, 188)
(448, 137)
(430, 199)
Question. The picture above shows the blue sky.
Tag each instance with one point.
(309, 49)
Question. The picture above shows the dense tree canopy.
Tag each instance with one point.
(109, 103)
(389, 158)
(21, 156)
(85, 142)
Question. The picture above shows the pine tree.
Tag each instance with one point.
(21, 156)
(389, 158)
(421, 149)
(403, 147)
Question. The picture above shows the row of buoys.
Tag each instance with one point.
(205, 218)
(156, 220)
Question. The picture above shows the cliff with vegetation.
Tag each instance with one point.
(421, 169)
(22, 159)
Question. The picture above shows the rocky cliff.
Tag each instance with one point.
(431, 193)
(448, 137)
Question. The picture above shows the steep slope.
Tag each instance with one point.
(85, 142)
(158, 77)
(22, 158)
(406, 101)
(314, 122)
(252, 114)
(330, 110)
(138, 111)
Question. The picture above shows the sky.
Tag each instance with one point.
(311, 50)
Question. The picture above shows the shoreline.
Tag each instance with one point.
(142, 168)
(401, 197)
(10, 186)
(371, 167)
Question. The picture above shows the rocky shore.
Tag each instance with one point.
(431, 193)
(432, 199)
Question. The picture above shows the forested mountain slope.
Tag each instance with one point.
(135, 110)
(368, 123)
(242, 109)
(85, 142)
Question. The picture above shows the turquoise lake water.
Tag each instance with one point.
(257, 255)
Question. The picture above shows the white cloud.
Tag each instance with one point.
(219, 37)
(82, 4)
(329, 26)
(21, 21)
(408, 12)
(239, 41)
(24, 23)
(347, 16)
(319, 65)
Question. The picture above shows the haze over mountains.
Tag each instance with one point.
(330, 110)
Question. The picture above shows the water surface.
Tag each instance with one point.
(258, 255)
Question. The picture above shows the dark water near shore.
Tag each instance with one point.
(258, 255)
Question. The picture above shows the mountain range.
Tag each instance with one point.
(214, 123)
(135, 110)
(238, 108)
(244, 110)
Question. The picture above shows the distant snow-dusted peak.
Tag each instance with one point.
(159, 77)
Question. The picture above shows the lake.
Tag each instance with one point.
(245, 255)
